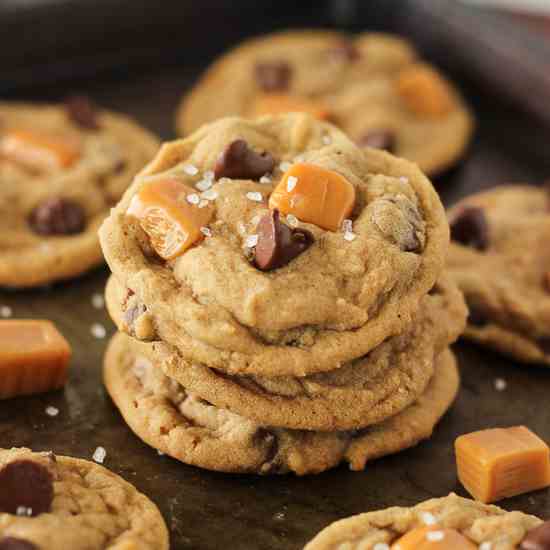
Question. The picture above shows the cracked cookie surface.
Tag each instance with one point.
(58, 180)
(355, 79)
(333, 303)
(501, 262)
(90, 508)
(362, 392)
(164, 415)
(478, 523)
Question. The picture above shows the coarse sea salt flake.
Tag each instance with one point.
(190, 169)
(265, 179)
(209, 195)
(428, 518)
(292, 220)
(349, 236)
(193, 198)
(255, 196)
(251, 241)
(203, 185)
(284, 166)
(52, 411)
(435, 536)
(206, 232)
(99, 455)
(486, 546)
(291, 183)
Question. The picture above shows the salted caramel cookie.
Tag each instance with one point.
(49, 502)
(61, 168)
(499, 258)
(373, 86)
(447, 523)
(179, 423)
(362, 392)
(318, 260)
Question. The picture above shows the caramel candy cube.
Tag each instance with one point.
(314, 195)
(39, 151)
(424, 91)
(34, 357)
(279, 104)
(433, 538)
(499, 463)
(171, 214)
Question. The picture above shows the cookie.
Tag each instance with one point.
(61, 169)
(179, 423)
(462, 522)
(500, 260)
(222, 296)
(363, 392)
(49, 502)
(373, 86)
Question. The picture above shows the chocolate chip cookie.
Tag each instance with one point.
(373, 86)
(362, 392)
(178, 422)
(61, 168)
(48, 502)
(448, 523)
(317, 261)
(499, 258)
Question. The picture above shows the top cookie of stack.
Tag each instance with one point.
(275, 247)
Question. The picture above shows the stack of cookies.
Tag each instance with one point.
(281, 300)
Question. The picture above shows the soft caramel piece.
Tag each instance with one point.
(34, 357)
(502, 462)
(424, 91)
(314, 195)
(172, 223)
(433, 538)
(279, 104)
(39, 151)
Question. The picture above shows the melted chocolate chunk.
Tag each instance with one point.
(544, 344)
(378, 139)
(274, 76)
(82, 112)
(538, 538)
(133, 313)
(238, 161)
(278, 244)
(345, 51)
(28, 484)
(12, 543)
(57, 216)
(476, 317)
(471, 228)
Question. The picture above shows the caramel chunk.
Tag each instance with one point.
(499, 463)
(470, 228)
(39, 151)
(238, 161)
(314, 195)
(424, 91)
(538, 538)
(58, 216)
(169, 212)
(433, 538)
(25, 484)
(34, 357)
(279, 104)
(279, 244)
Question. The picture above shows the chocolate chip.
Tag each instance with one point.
(28, 484)
(471, 228)
(378, 139)
(538, 538)
(11, 543)
(238, 161)
(82, 112)
(273, 76)
(346, 51)
(57, 216)
(278, 244)
(133, 313)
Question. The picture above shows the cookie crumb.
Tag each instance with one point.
(98, 331)
(206, 232)
(255, 196)
(52, 411)
(428, 518)
(190, 169)
(265, 179)
(284, 166)
(98, 301)
(99, 455)
(435, 536)
(5, 312)
(291, 183)
(203, 185)
(251, 241)
(193, 198)
(500, 384)
(349, 236)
